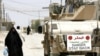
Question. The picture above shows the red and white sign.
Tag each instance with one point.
(79, 42)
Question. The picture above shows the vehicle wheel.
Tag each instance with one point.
(45, 55)
(91, 54)
(63, 54)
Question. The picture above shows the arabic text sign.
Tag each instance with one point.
(79, 42)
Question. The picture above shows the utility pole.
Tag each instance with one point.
(61, 2)
(50, 1)
(0, 14)
(39, 14)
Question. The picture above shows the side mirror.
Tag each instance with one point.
(39, 29)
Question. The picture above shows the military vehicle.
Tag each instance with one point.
(72, 30)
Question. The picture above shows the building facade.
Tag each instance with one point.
(5, 21)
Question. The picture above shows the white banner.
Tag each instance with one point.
(79, 42)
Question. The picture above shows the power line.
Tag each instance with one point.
(27, 5)
(24, 12)
(24, 9)
(18, 2)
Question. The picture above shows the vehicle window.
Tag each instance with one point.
(54, 26)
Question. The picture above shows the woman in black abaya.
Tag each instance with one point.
(14, 43)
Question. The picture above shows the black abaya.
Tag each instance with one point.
(14, 43)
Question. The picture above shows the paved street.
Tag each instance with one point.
(31, 47)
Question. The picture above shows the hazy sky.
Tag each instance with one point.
(23, 11)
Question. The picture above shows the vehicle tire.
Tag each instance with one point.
(91, 54)
(63, 54)
(45, 55)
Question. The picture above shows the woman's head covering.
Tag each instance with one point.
(13, 38)
(13, 31)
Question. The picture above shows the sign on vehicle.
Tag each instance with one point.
(79, 42)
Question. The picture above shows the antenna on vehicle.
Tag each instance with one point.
(97, 16)
(96, 30)
(97, 24)
(51, 22)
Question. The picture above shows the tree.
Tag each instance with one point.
(35, 25)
